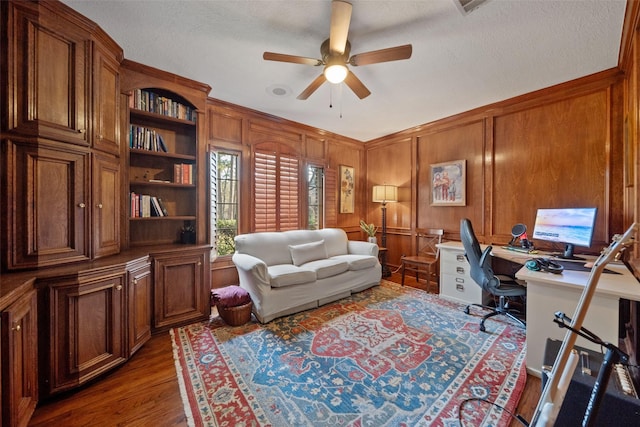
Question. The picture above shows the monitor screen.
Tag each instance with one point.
(571, 226)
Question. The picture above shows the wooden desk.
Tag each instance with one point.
(548, 293)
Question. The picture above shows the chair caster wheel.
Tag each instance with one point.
(482, 328)
(466, 310)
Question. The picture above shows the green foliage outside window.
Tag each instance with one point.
(226, 231)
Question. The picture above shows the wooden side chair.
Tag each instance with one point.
(426, 260)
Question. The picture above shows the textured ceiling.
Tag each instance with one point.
(500, 50)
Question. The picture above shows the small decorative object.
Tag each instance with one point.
(448, 184)
(188, 234)
(347, 189)
(370, 229)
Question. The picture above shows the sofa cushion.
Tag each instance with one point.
(288, 275)
(302, 254)
(327, 267)
(357, 262)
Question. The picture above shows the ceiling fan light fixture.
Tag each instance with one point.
(335, 73)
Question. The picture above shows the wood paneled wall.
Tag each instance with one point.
(557, 147)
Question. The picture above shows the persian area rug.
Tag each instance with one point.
(387, 356)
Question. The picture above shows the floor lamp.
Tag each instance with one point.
(383, 194)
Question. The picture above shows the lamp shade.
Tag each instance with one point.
(385, 193)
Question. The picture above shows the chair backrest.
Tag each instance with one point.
(428, 241)
(479, 260)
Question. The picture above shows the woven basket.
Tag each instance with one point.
(235, 316)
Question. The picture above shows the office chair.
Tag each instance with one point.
(503, 287)
(426, 260)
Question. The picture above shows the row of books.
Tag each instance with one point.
(183, 173)
(146, 139)
(144, 206)
(146, 100)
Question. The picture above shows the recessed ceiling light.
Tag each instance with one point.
(279, 91)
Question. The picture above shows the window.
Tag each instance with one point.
(224, 175)
(276, 191)
(315, 202)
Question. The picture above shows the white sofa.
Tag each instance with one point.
(291, 271)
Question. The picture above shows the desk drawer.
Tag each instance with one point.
(454, 263)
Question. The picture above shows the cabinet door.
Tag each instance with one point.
(106, 102)
(47, 205)
(139, 307)
(49, 79)
(19, 361)
(87, 317)
(106, 205)
(181, 288)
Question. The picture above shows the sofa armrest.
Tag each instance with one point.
(251, 268)
(357, 247)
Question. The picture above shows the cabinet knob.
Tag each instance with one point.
(119, 288)
(135, 281)
(82, 130)
(17, 327)
(199, 263)
(99, 205)
(82, 205)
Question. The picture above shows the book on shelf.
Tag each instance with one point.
(152, 102)
(163, 208)
(145, 203)
(142, 138)
(183, 173)
(155, 205)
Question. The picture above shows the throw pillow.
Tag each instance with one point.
(301, 254)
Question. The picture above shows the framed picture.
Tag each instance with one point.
(347, 189)
(448, 183)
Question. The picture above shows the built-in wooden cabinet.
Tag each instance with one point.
(106, 97)
(140, 305)
(19, 361)
(49, 79)
(105, 205)
(47, 204)
(181, 286)
(62, 105)
(86, 320)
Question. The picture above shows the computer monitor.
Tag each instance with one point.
(571, 226)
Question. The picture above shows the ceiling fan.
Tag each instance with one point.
(335, 55)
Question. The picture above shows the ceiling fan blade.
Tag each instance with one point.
(356, 86)
(339, 30)
(312, 87)
(382, 55)
(281, 57)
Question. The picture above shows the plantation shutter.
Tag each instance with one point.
(265, 185)
(213, 206)
(276, 190)
(330, 198)
(289, 200)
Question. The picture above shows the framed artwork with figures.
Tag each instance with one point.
(448, 183)
(347, 189)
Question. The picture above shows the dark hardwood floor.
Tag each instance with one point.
(144, 392)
